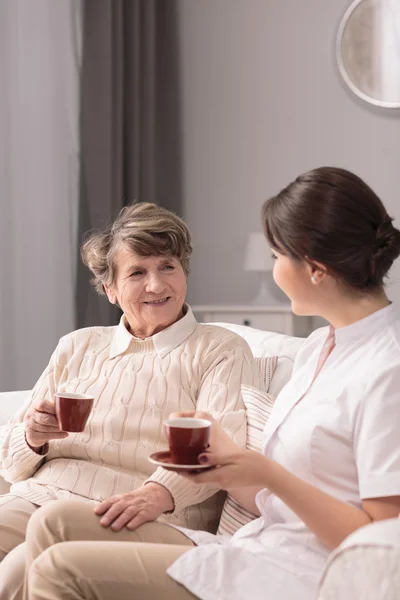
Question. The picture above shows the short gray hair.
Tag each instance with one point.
(143, 228)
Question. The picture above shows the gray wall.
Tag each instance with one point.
(263, 102)
(39, 173)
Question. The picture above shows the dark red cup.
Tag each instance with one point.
(187, 438)
(72, 410)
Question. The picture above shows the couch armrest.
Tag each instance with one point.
(365, 565)
(10, 403)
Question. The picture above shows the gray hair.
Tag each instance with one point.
(143, 228)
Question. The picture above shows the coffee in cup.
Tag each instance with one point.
(187, 438)
(72, 410)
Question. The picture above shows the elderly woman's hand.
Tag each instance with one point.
(135, 508)
(41, 424)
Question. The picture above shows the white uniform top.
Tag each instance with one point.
(341, 435)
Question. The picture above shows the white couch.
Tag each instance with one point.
(367, 565)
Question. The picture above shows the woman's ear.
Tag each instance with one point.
(316, 270)
(110, 294)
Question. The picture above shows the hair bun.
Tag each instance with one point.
(385, 235)
(386, 246)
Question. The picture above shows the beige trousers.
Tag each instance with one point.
(70, 556)
(14, 516)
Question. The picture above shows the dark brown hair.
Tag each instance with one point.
(143, 228)
(331, 216)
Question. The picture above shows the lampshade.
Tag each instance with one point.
(258, 254)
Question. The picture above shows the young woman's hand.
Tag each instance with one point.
(232, 470)
(219, 439)
(234, 467)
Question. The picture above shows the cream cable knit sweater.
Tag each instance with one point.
(136, 385)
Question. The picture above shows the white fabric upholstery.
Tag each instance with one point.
(366, 565)
(10, 402)
(267, 343)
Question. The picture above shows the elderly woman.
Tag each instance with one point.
(156, 361)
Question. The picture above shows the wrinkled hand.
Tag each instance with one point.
(41, 424)
(219, 439)
(135, 508)
(238, 469)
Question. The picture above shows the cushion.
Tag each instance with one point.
(266, 367)
(258, 408)
(267, 344)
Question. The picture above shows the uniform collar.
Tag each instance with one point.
(367, 326)
(163, 342)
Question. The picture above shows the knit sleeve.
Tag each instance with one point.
(17, 460)
(230, 367)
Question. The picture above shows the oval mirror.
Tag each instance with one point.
(368, 51)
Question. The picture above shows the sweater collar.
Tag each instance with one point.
(163, 342)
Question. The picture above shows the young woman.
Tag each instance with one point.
(330, 461)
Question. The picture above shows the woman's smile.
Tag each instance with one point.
(158, 303)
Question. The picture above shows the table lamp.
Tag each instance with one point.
(259, 258)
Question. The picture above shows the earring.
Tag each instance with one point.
(313, 279)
